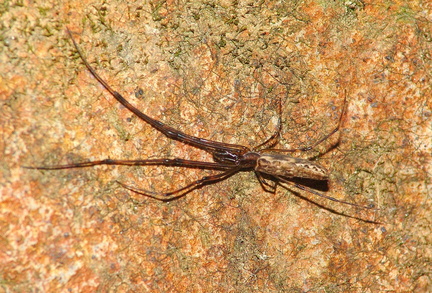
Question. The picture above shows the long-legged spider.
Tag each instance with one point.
(228, 158)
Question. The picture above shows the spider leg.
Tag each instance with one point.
(204, 144)
(150, 162)
(308, 148)
(305, 188)
(274, 139)
(172, 195)
(268, 187)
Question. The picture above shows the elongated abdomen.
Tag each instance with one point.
(287, 166)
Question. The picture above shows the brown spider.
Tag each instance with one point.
(228, 158)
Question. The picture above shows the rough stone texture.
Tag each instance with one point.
(215, 69)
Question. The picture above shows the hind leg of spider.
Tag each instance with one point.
(172, 195)
(307, 189)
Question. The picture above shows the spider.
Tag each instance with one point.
(229, 159)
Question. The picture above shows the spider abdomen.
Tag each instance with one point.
(289, 167)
